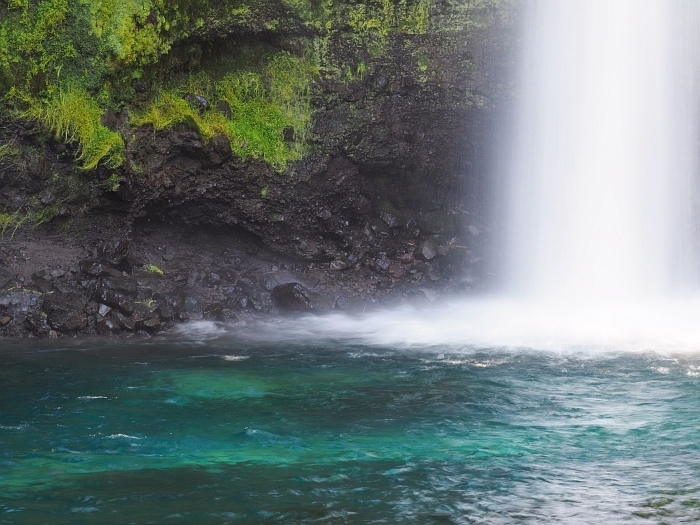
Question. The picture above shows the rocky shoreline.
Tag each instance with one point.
(51, 287)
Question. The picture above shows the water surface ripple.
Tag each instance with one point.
(239, 432)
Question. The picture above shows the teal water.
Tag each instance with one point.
(226, 431)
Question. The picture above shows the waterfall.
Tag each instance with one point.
(603, 189)
(602, 223)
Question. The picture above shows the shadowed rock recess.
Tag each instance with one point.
(227, 160)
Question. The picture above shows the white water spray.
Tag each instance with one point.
(602, 248)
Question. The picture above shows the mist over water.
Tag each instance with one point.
(601, 245)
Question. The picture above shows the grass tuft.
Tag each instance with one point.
(75, 117)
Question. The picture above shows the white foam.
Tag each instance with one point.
(666, 326)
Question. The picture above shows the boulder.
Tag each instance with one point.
(293, 297)
(65, 312)
(114, 300)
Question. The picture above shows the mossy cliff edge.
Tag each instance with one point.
(334, 133)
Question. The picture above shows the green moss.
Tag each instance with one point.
(263, 103)
(152, 268)
(9, 152)
(75, 117)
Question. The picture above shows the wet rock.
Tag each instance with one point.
(141, 87)
(213, 310)
(116, 252)
(455, 258)
(124, 285)
(168, 257)
(63, 287)
(106, 326)
(218, 149)
(382, 263)
(342, 303)
(165, 313)
(65, 312)
(410, 230)
(122, 321)
(197, 102)
(42, 285)
(227, 316)
(104, 310)
(213, 279)
(92, 308)
(225, 108)
(183, 316)
(4, 321)
(151, 325)
(293, 297)
(58, 274)
(94, 268)
(5, 302)
(436, 223)
(338, 265)
(175, 301)
(426, 250)
(393, 220)
(473, 230)
(288, 134)
(378, 227)
(114, 300)
(5, 276)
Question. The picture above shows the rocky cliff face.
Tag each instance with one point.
(364, 181)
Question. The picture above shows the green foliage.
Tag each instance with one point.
(152, 268)
(75, 117)
(10, 222)
(263, 104)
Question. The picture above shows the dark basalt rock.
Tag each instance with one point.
(293, 297)
(150, 325)
(122, 321)
(5, 277)
(94, 268)
(114, 300)
(124, 285)
(116, 252)
(106, 326)
(225, 108)
(65, 312)
(197, 102)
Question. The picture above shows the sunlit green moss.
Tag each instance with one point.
(263, 105)
(75, 117)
